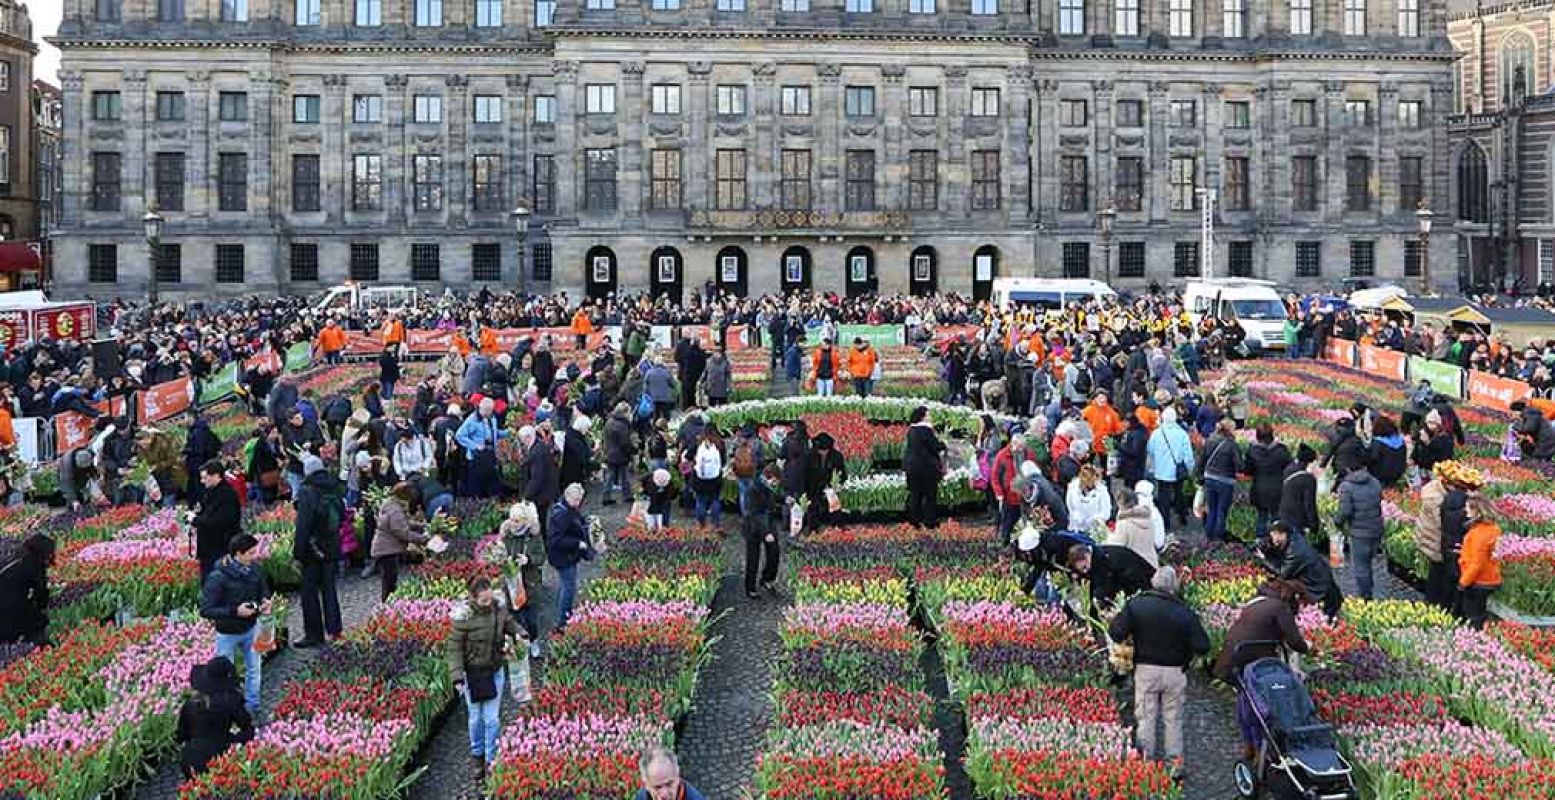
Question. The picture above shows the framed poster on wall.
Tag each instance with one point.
(601, 267)
(858, 269)
(983, 268)
(729, 269)
(920, 268)
(666, 269)
(793, 269)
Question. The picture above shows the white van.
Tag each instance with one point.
(1253, 303)
(353, 297)
(1051, 294)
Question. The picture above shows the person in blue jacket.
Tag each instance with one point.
(566, 545)
(661, 777)
(793, 364)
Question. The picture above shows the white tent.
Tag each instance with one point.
(1374, 299)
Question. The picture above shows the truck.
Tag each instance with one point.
(355, 297)
(31, 316)
(1050, 294)
(1255, 304)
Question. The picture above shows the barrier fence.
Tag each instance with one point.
(1452, 380)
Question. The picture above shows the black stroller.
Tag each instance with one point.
(1298, 758)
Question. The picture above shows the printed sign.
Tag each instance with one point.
(1495, 391)
(78, 323)
(13, 329)
(71, 430)
(1382, 362)
(1445, 378)
(1340, 351)
(299, 357)
(220, 385)
(166, 400)
(876, 335)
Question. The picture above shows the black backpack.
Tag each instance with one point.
(1082, 380)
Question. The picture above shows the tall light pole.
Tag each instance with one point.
(1423, 216)
(520, 216)
(1207, 232)
(1104, 220)
(153, 223)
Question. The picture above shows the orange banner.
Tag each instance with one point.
(734, 337)
(429, 341)
(1381, 361)
(71, 430)
(268, 358)
(166, 400)
(1496, 392)
(1340, 351)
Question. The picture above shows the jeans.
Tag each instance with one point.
(443, 502)
(616, 478)
(320, 604)
(743, 485)
(1217, 501)
(1166, 502)
(485, 720)
(1159, 694)
(332, 356)
(824, 388)
(294, 481)
(863, 386)
(229, 645)
(567, 595)
(388, 388)
(1043, 592)
(1008, 517)
(709, 503)
(1362, 553)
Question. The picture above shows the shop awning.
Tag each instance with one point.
(20, 256)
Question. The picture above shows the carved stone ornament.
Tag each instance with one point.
(395, 82)
(923, 132)
(364, 137)
(134, 76)
(829, 70)
(199, 76)
(732, 130)
(307, 137)
(1160, 87)
(955, 71)
(519, 82)
(797, 129)
(664, 128)
(1101, 86)
(1131, 140)
(457, 81)
(335, 81)
(862, 130)
(1074, 140)
(766, 69)
(632, 68)
(1213, 88)
(429, 136)
(600, 124)
(1018, 72)
(1239, 140)
(700, 67)
(100, 134)
(1333, 87)
(1183, 140)
(71, 81)
(561, 68)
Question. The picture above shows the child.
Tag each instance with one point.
(659, 494)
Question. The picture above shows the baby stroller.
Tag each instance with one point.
(1298, 757)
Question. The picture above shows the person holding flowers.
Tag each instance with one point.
(761, 543)
(1088, 502)
(477, 662)
(395, 534)
(525, 545)
(233, 598)
(1479, 570)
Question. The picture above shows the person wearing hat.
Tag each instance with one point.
(316, 547)
(1462, 483)
(1346, 451)
(923, 462)
(1433, 443)
(213, 718)
(76, 471)
(824, 469)
(24, 592)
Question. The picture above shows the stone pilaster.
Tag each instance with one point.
(632, 186)
(1332, 175)
(828, 162)
(334, 157)
(1013, 96)
(1158, 188)
(137, 120)
(763, 112)
(894, 167)
(568, 160)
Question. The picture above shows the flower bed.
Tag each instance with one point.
(145, 567)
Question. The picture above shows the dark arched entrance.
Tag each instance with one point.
(731, 270)
(599, 272)
(795, 270)
(666, 274)
(985, 268)
(860, 272)
(923, 272)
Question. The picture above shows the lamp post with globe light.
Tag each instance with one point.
(1423, 216)
(153, 223)
(520, 216)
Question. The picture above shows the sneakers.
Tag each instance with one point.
(535, 651)
(770, 588)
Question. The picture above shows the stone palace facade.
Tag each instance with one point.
(841, 145)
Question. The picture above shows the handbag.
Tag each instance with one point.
(481, 684)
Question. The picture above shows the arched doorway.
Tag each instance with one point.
(985, 268)
(795, 268)
(599, 272)
(923, 272)
(861, 278)
(666, 274)
(731, 270)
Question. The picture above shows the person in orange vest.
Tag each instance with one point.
(488, 341)
(826, 365)
(462, 344)
(861, 366)
(331, 341)
(582, 326)
(1103, 419)
(393, 332)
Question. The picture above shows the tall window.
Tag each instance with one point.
(923, 180)
(545, 109)
(102, 263)
(486, 262)
(1408, 17)
(367, 108)
(729, 172)
(1238, 114)
(731, 100)
(1409, 114)
(922, 101)
(795, 101)
(1071, 17)
(234, 10)
(664, 98)
(233, 106)
(1185, 113)
(425, 261)
(1357, 113)
(1130, 114)
(364, 261)
(488, 108)
(1073, 113)
(170, 106)
(858, 101)
(304, 262)
(1309, 259)
(1129, 189)
(985, 8)
(795, 184)
(1185, 259)
(985, 102)
(920, 6)
(1131, 259)
(1363, 259)
(665, 167)
(1412, 257)
(860, 180)
(429, 13)
(665, 5)
(1125, 18)
(1303, 183)
(426, 176)
(170, 181)
(729, 5)
(794, 6)
(1301, 17)
(1473, 191)
(305, 182)
(1239, 259)
(1411, 186)
(1074, 183)
(599, 179)
(1076, 260)
(540, 261)
(1354, 17)
(107, 11)
(1303, 112)
(427, 108)
(229, 263)
(1516, 69)
(1179, 17)
(599, 98)
(488, 183)
(105, 181)
(106, 106)
(488, 13)
(308, 13)
(170, 10)
(986, 193)
(305, 109)
(544, 184)
(232, 181)
(367, 182)
(1233, 16)
(859, 6)
(1236, 197)
(369, 13)
(1357, 183)
(545, 12)
(1185, 183)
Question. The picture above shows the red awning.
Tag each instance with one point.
(20, 256)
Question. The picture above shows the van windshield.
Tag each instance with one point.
(1048, 300)
(1259, 309)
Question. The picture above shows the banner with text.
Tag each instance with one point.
(1495, 391)
(299, 357)
(1340, 351)
(876, 335)
(166, 400)
(707, 336)
(1381, 362)
(220, 385)
(1445, 378)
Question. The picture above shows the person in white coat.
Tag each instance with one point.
(1088, 501)
(1145, 491)
(1133, 527)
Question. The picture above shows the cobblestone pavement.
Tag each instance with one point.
(358, 597)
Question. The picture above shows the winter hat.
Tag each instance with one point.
(311, 464)
(1080, 449)
(361, 416)
(661, 478)
(1029, 539)
(1028, 469)
(1145, 490)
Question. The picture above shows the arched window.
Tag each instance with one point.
(731, 270)
(1473, 185)
(665, 274)
(1517, 76)
(599, 276)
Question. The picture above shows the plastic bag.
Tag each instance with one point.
(518, 675)
(795, 520)
(1200, 506)
(1336, 549)
(833, 502)
(516, 592)
(1511, 450)
(264, 634)
(639, 511)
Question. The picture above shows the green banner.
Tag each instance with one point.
(220, 385)
(299, 357)
(1445, 378)
(876, 335)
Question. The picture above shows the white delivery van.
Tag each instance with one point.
(1255, 304)
(1051, 294)
(353, 297)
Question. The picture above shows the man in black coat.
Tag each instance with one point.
(923, 461)
(1298, 494)
(233, 597)
(316, 549)
(1132, 450)
(217, 517)
(1291, 557)
(24, 592)
(1167, 635)
(1111, 570)
(542, 483)
(1346, 452)
(577, 463)
(201, 446)
(1266, 460)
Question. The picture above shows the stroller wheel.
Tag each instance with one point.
(1246, 780)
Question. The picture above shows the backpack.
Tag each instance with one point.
(744, 463)
(1082, 381)
(332, 512)
(707, 463)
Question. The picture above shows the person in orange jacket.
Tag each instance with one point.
(331, 341)
(1103, 419)
(1479, 571)
(393, 331)
(488, 340)
(826, 364)
(462, 344)
(582, 326)
(7, 428)
(861, 366)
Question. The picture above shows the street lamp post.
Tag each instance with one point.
(1423, 216)
(153, 223)
(1105, 219)
(520, 216)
